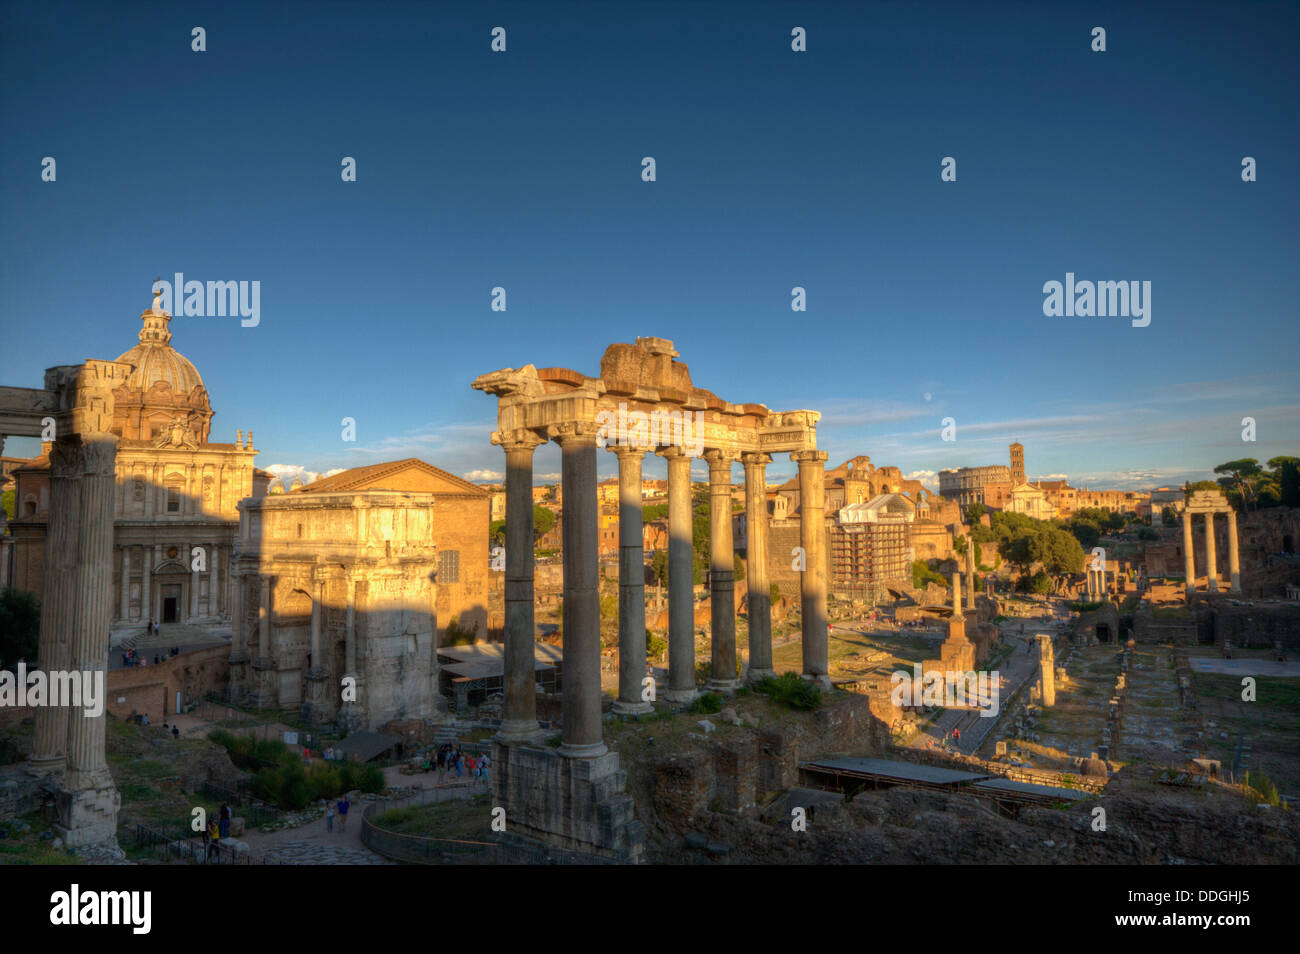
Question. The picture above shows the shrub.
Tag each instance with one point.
(654, 645)
(457, 635)
(707, 703)
(790, 689)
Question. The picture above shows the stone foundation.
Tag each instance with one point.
(571, 803)
(88, 816)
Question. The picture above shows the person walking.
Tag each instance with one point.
(344, 805)
(329, 817)
(224, 821)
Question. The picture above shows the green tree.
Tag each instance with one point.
(20, 626)
(1242, 475)
(974, 512)
(543, 521)
(659, 566)
(1287, 471)
(497, 533)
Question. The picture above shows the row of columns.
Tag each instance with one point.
(581, 623)
(1211, 558)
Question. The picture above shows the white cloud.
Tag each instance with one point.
(921, 475)
(484, 476)
(285, 473)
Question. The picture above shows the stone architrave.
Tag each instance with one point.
(722, 574)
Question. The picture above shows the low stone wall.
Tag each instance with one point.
(151, 690)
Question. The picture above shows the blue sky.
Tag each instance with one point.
(774, 169)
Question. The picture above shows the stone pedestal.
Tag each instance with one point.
(574, 804)
(264, 688)
(319, 697)
(88, 816)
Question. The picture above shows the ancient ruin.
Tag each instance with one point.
(1209, 503)
(642, 402)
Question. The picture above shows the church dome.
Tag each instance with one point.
(162, 387)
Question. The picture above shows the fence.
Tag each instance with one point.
(191, 848)
(254, 811)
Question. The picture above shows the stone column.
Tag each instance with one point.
(1047, 669)
(580, 535)
(351, 713)
(758, 595)
(631, 584)
(1189, 559)
(146, 598)
(264, 623)
(681, 579)
(970, 572)
(214, 592)
(87, 766)
(722, 574)
(125, 604)
(58, 602)
(519, 718)
(812, 583)
(1234, 564)
(194, 580)
(316, 609)
(239, 639)
(1211, 559)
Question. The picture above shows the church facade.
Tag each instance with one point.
(175, 519)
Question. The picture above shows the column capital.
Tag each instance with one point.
(521, 438)
(718, 457)
(622, 451)
(809, 457)
(574, 432)
(756, 457)
(675, 453)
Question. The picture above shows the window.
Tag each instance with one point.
(173, 500)
(449, 566)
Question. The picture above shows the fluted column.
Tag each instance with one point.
(631, 584)
(722, 574)
(681, 579)
(1211, 559)
(812, 583)
(1189, 559)
(87, 766)
(58, 602)
(520, 714)
(758, 595)
(580, 535)
(1234, 561)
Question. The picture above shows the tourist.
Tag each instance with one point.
(460, 764)
(344, 805)
(484, 765)
(176, 732)
(224, 825)
(329, 817)
(214, 840)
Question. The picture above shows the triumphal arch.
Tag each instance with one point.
(642, 402)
